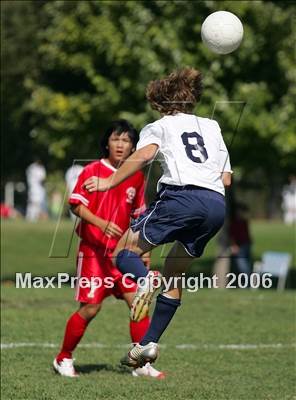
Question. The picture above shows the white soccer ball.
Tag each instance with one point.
(222, 32)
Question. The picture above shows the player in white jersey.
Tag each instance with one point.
(189, 208)
(205, 154)
(36, 175)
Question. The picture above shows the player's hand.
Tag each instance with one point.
(94, 183)
(146, 258)
(110, 229)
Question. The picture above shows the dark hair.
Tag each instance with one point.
(177, 92)
(118, 127)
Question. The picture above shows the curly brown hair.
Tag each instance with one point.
(177, 92)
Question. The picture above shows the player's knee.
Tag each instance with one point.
(129, 297)
(114, 257)
(89, 311)
(115, 254)
(120, 256)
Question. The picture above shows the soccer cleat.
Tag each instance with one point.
(65, 367)
(143, 297)
(148, 371)
(139, 355)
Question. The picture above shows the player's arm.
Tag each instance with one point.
(109, 228)
(224, 160)
(133, 164)
(226, 178)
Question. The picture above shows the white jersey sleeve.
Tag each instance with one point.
(224, 160)
(150, 134)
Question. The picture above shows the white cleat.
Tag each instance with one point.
(148, 371)
(143, 297)
(139, 355)
(65, 367)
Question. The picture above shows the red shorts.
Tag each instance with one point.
(97, 277)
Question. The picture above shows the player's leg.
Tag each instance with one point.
(198, 221)
(127, 257)
(90, 298)
(74, 331)
(195, 240)
(125, 289)
(89, 311)
(75, 328)
(128, 252)
(167, 303)
(137, 332)
(137, 328)
(242, 259)
(147, 232)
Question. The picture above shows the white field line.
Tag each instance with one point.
(184, 346)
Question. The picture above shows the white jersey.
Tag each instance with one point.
(36, 174)
(191, 149)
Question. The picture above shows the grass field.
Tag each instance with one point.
(26, 247)
(222, 344)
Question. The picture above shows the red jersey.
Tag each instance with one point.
(117, 205)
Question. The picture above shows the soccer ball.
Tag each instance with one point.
(222, 32)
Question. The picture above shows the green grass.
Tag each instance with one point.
(26, 247)
(207, 320)
(210, 317)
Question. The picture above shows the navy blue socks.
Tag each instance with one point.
(164, 311)
(129, 262)
(165, 308)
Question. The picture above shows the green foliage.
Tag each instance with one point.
(93, 60)
(20, 22)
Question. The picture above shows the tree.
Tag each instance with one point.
(20, 21)
(95, 59)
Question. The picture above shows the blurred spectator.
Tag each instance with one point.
(56, 201)
(71, 178)
(240, 239)
(37, 204)
(72, 175)
(222, 262)
(289, 201)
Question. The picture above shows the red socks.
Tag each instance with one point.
(75, 329)
(138, 329)
(77, 325)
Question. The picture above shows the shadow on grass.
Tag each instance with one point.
(90, 368)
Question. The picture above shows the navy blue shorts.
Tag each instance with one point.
(188, 214)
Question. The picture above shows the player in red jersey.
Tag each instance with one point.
(104, 219)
